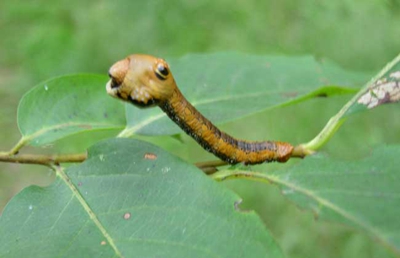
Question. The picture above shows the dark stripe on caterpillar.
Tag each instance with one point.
(209, 136)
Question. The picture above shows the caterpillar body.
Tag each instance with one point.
(146, 81)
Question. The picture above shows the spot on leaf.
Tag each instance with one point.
(150, 156)
(127, 215)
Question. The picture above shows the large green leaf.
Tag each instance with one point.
(227, 86)
(131, 199)
(223, 87)
(67, 105)
(363, 193)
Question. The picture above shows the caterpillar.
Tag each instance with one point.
(146, 81)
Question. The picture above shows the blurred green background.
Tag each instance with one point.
(43, 39)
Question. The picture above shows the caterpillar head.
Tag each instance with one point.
(143, 80)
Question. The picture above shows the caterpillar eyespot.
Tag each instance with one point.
(162, 69)
(161, 72)
(146, 81)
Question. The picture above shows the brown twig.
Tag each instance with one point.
(42, 159)
(212, 163)
(208, 167)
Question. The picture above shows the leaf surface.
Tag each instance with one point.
(363, 193)
(131, 199)
(223, 86)
(67, 105)
(228, 86)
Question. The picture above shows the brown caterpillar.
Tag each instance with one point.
(146, 81)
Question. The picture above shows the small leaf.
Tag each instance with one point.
(363, 194)
(228, 86)
(67, 105)
(131, 199)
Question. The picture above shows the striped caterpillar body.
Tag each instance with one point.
(146, 81)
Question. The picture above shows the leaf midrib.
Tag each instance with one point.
(75, 192)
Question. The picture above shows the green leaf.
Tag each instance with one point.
(67, 105)
(131, 199)
(228, 86)
(224, 87)
(363, 194)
